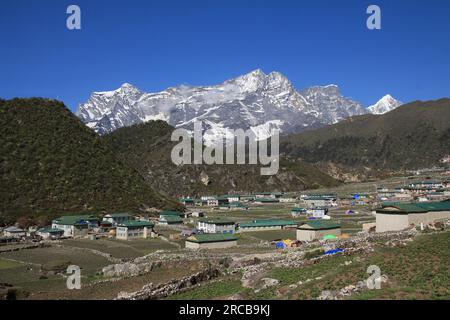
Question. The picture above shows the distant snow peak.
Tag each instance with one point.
(384, 105)
(256, 100)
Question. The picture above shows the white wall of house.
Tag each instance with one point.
(233, 199)
(215, 228)
(391, 222)
(396, 222)
(288, 200)
(262, 228)
(125, 233)
(212, 202)
(14, 234)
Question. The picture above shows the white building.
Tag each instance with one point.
(313, 201)
(233, 198)
(49, 233)
(216, 226)
(14, 232)
(134, 230)
(211, 241)
(316, 229)
(288, 199)
(400, 216)
(75, 225)
(264, 225)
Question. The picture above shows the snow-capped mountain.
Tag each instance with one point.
(257, 101)
(384, 105)
(329, 105)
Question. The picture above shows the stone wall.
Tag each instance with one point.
(152, 292)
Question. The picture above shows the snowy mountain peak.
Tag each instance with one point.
(127, 86)
(256, 101)
(384, 105)
(250, 82)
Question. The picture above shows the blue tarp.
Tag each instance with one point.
(334, 251)
(280, 245)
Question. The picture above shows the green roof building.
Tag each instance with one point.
(295, 212)
(267, 200)
(262, 225)
(170, 213)
(211, 241)
(217, 225)
(400, 216)
(73, 226)
(50, 233)
(170, 219)
(134, 229)
(317, 229)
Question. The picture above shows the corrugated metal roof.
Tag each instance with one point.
(319, 225)
(136, 224)
(419, 207)
(71, 220)
(267, 223)
(217, 221)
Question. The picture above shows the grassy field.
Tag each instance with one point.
(110, 290)
(419, 270)
(23, 268)
(121, 249)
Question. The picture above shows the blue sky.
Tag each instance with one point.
(158, 44)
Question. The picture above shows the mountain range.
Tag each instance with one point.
(257, 101)
(52, 164)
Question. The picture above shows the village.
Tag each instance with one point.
(258, 223)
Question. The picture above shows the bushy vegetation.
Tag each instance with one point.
(51, 164)
(147, 148)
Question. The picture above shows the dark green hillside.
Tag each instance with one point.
(415, 135)
(147, 147)
(51, 164)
